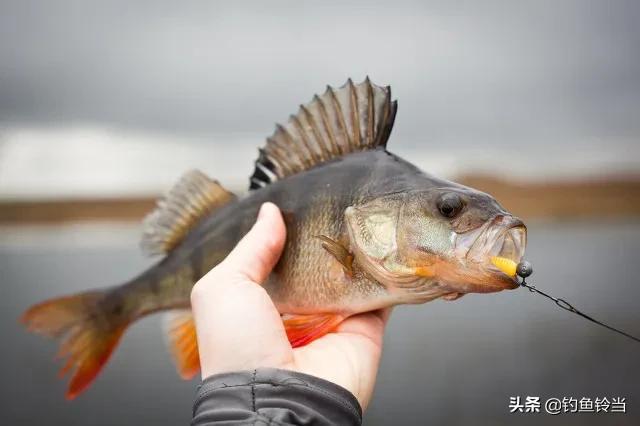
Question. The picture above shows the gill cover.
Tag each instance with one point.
(395, 240)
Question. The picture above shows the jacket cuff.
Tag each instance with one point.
(274, 395)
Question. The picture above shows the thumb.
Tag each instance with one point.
(257, 252)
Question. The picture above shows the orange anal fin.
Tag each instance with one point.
(303, 329)
(183, 345)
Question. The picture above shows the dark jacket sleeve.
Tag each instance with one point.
(269, 396)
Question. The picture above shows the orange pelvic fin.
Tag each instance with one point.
(88, 339)
(183, 345)
(303, 329)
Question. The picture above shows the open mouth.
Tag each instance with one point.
(499, 241)
(510, 244)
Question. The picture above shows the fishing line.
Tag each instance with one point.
(525, 269)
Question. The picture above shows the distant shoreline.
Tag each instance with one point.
(613, 197)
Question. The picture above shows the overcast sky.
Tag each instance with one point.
(464, 72)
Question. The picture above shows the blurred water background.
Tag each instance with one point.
(444, 362)
(104, 104)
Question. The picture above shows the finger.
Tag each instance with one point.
(369, 325)
(239, 328)
(257, 252)
(383, 314)
(358, 341)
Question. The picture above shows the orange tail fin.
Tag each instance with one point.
(88, 337)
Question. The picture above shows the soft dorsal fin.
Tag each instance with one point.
(356, 117)
(192, 197)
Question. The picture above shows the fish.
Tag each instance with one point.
(366, 230)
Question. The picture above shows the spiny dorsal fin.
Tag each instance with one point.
(190, 199)
(353, 118)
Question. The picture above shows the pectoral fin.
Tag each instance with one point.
(339, 252)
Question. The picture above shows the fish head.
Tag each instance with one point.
(438, 242)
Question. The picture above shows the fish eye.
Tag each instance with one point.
(450, 204)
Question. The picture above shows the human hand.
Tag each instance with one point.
(239, 327)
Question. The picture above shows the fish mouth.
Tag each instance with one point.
(503, 237)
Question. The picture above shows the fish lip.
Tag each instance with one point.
(503, 236)
(510, 243)
(507, 282)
